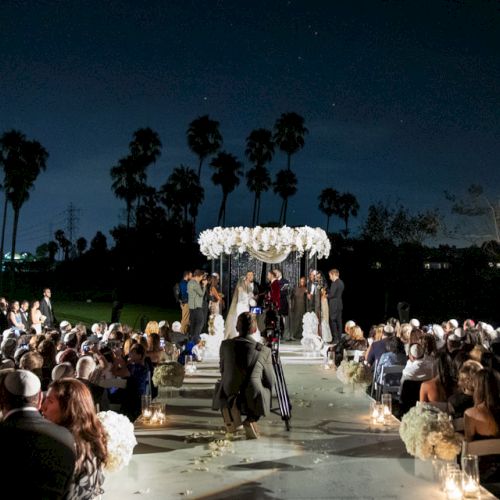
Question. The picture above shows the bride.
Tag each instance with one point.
(243, 299)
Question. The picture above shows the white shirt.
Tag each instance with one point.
(419, 369)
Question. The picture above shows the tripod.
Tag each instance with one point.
(284, 406)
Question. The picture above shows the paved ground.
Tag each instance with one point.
(332, 451)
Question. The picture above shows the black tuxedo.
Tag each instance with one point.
(335, 308)
(48, 312)
(38, 457)
(4, 323)
(25, 319)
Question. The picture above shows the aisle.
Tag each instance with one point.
(331, 453)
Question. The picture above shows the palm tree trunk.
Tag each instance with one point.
(14, 234)
(289, 160)
(327, 223)
(2, 244)
(258, 211)
(346, 220)
(222, 211)
(285, 210)
(281, 211)
(129, 209)
(199, 168)
(254, 215)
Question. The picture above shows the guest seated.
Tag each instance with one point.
(354, 340)
(462, 399)
(378, 347)
(417, 367)
(481, 421)
(84, 369)
(155, 353)
(394, 356)
(439, 388)
(70, 404)
(63, 370)
(137, 382)
(38, 456)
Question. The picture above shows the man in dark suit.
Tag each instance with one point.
(38, 456)
(4, 308)
(47, 310)
(24, 311)
(247, 374)
(335, 304)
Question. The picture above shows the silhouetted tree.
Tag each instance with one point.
(182, 194)
(259, 150)
(289, 133)
(99, 243)
(347, 206)
(228, 170)
(285, 186)
(81, 245)
(204, 138)
(328, 204)
(52, 248)
(64, 243)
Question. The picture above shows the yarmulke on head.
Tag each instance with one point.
(22, 383)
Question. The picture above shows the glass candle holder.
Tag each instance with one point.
(377, 413)
(145, 402)
(387, 404)
(470, 476)
(454, 485)
(445, 470)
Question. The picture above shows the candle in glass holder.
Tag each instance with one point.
(377, 413)
(454, 485)
(470, 476)
(387, 404)
(146, 414)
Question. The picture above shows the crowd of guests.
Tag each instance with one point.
(54, 379)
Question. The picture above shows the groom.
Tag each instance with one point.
(335, 304)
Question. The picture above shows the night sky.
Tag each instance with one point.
(401, 98)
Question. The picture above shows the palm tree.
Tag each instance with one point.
(289, 132)
(228, 170)
(204, 138)
(258, 181)
(11, 146)
(259, 150)
(81, 245)
(285, 186)
(347, 206)
(183, 193)
(145, 148)
(329, 203)
(20, 177)
(126, 183)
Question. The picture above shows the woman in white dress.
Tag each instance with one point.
(36, 317)
(243, 299)
(326, 333)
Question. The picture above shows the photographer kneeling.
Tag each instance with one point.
(247, 374)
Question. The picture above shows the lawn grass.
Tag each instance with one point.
(92, 312)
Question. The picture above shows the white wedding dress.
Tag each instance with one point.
(326, 333)
(242, 297)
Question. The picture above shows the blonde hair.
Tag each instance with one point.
(466, 376)
(379, 331)
(356, 333)
(405, 332)
(152, 327)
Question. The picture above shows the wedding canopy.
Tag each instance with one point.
(271, 245)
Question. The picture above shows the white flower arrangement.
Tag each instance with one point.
(311, 341)
(121, 439)
(354, 372)
(169, 374)
(214, 242)
(428, 432)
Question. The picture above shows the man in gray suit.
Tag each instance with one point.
(247, 374)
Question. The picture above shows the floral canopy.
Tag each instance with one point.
(268, 244)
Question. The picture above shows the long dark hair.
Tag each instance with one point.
(80, 418)
(444, 374)
(486, 391)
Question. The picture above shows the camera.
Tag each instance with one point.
(256, 310)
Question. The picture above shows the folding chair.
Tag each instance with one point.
(390, 380)
(353, 354)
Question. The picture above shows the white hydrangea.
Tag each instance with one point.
(121, 439)
(428, 432)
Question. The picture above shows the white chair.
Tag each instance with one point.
(353, 354)
(383, 387)
(374, 382)
(481, 447)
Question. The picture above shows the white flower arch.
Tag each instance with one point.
(268, 244)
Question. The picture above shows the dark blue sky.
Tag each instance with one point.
(401, 98)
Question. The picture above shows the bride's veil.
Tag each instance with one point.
(230, 326)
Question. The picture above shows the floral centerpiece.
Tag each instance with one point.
(121, 439)
(354, 372)
(428, 433)
(170, 374)
(279, 240)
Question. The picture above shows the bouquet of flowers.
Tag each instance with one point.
(428, 432)
(354, 372)
(121, 440)
(169, 374)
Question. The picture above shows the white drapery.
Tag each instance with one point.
(271, 256)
